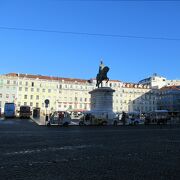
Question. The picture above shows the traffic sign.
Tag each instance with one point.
(46, 101)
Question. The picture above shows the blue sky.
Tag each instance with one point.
(78, 56)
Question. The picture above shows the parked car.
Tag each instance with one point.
(134, 118)
(134, 121)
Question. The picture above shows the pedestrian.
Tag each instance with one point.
(60, 118)
(123, 118)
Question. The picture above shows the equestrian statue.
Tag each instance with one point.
(102, 75)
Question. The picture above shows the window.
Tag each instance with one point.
(31, 96)
(8, 81)
(26, 83)
(32, 89)
(25, 96)
(20, 83)
(37, 97)
(0, 95)
(25, 103)
(49, 90)
(26, 89)
(7, 95)
(31, 104)
(32, 84)
(37, 105)
(43, 90)
(37, 89)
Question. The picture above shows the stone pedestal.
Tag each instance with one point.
(102, 102)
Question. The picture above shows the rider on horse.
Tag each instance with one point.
(102, 75)
(101, 67)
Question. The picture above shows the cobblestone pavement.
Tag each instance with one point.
(40, 121)
(29, 151)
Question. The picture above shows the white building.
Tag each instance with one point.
(137, 97)
(157, 82)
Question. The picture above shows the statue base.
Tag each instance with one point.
(102, 102)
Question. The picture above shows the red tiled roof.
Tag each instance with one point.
(46, 77)
(133, 85)
(109, 80)
(170, 88)
(51, 78)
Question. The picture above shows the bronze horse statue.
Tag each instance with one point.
(102, 76)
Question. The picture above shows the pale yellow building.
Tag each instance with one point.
(71, 94)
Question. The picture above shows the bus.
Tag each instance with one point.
(158, 116)
(25, 112)
(9, 110)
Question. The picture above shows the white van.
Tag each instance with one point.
(59, 118)
(98, 118)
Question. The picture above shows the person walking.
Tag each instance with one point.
(123, 118)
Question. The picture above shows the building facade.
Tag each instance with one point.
(169, 98)
(8, 90)
(72, 94)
